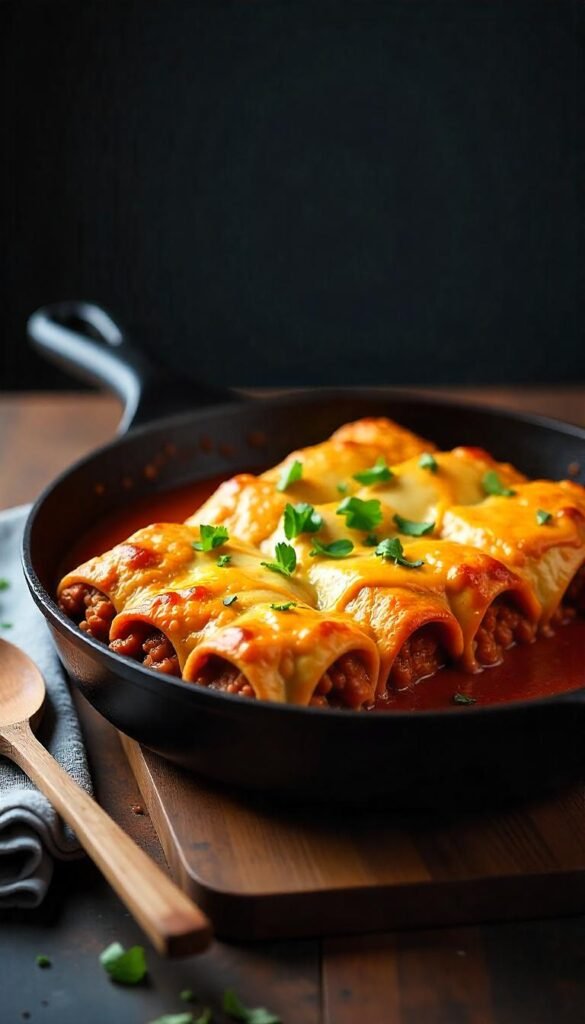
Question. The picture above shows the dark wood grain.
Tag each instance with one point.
(516, 973)
(526, 972)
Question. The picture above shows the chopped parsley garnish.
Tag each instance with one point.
(187, 996)
(205, 1017)
(391, 550)
(230, 600)
(128, 966)
(492, 484)
(43, 961)
(223, 560)
(286, 560)
(301, 518)
(542, 517)
(379, 473)
(428, 461)
(463, 698)
(6, 625)
(412, 528)
(4, 584)
(286, 607)
(211, 537)
(342, 487)
(290, 475)
(371, 540)
(361, 515)
(235, 1009)
(337, 549)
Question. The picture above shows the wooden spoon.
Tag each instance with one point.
(173, 923)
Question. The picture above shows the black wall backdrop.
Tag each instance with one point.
(302, 192)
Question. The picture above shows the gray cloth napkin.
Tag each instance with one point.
(31, 832)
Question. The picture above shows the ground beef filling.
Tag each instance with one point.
(93, 612)
(89, 608)
(502, 626)
(150, 647)
(218, 674)
(420, 656)
(345, 685)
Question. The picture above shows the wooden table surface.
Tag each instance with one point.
(521, 973)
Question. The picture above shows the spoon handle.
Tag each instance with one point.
(173, 923)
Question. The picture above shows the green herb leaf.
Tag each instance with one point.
(183, 1018)
(301, 518)
(337, 549)
(6, 625)
(371, 540)
(234, 1007)
(223, 561)
(43, 961)
(376, 474)
(204, 1017)
(4, 584)
(428, 461)
(188, 996)
(412, 528)
(211, 537)
(290, 475)
(286, 607)
(128, 966)
(542, 517)
(492, 484)
(230, 600)
(286, 560)
(342, 487)
(462, 698)
(391, 549)
(361, 515)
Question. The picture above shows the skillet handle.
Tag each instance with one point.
(83, 338)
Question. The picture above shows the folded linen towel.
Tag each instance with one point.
(31, 832)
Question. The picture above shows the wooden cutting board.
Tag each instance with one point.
(269, 872)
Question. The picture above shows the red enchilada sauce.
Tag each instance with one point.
(547, 666)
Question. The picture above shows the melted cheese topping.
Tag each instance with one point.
(150, 559)
(283, 655)
(455, 586)
(248, 506)
(419, 494)
(546, 556)
(394, 442)
(194, 600)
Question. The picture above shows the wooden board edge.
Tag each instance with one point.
(357, 910)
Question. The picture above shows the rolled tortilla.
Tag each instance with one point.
(251, 506)
(150, 559)
(207, 595)
(538, 532)
(285, 655)
(415, 492)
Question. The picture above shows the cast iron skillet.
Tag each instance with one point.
(457, 756)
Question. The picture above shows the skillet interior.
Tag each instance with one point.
(456, 756)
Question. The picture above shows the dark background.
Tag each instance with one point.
(302, 192)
